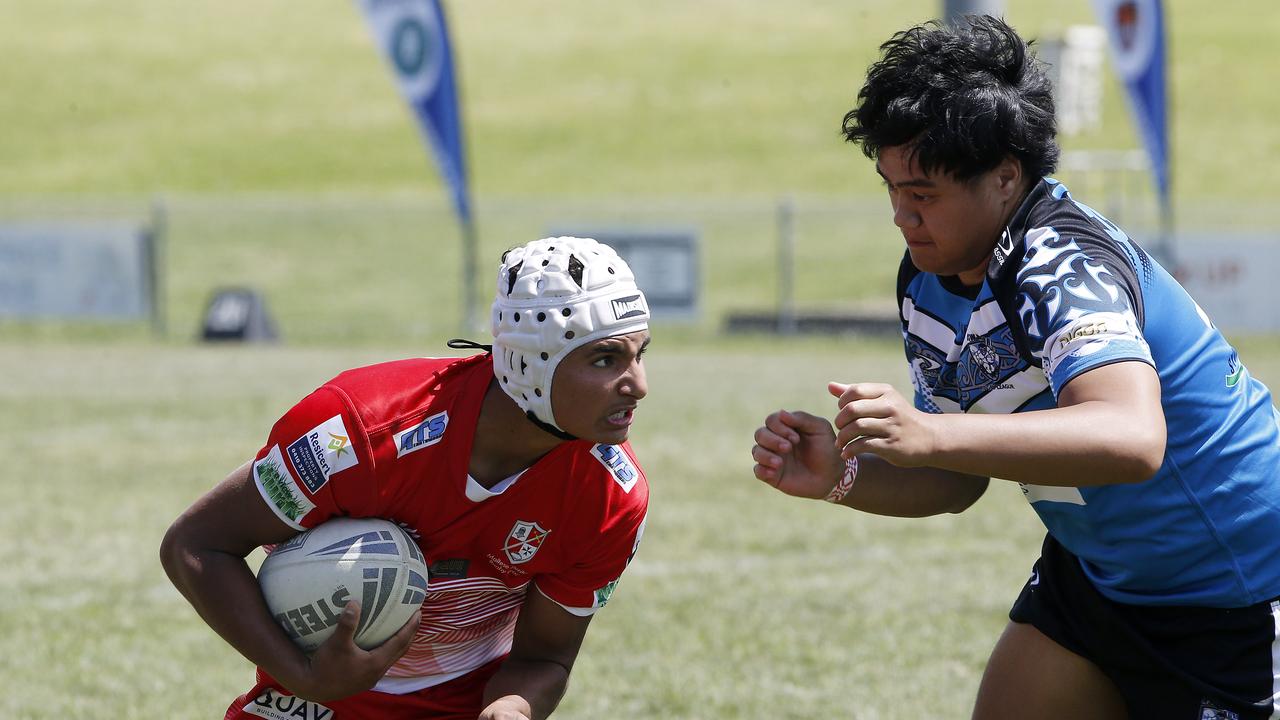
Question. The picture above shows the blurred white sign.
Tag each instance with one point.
(1232, 277)
(75, 270)
(665, 263)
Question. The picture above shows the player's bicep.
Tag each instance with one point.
(232, 518)
(1131, 385)
(547, 632)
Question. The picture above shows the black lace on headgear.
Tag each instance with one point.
(463, 344)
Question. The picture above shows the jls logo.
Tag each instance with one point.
(424, 434)
(619, 465)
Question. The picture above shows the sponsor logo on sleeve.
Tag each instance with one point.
(322, 452)
(1235, 370)
(279, 488)
(618, 465)
(424, 434)
(276, 704)
(604, 593)
(523, 541)
(629, 307)
(1089, 334)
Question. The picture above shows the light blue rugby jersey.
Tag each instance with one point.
(1206, 529)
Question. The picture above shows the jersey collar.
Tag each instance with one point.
(1009, 249)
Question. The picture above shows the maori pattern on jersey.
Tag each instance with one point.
(1059, 283)
(985, 362)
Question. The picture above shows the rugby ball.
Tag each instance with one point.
(307, 580)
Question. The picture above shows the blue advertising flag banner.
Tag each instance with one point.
(415, 41)
(1136, 31)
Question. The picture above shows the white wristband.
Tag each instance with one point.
(843, 487)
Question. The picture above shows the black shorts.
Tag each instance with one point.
(1169, 662)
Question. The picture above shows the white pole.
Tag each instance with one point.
(953, 10)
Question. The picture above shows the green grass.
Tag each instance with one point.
(742, 603)
(569, 97)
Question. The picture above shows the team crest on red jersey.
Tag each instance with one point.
(523, 541)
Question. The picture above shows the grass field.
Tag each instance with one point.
(272, 137)
(741, 604)
(563, 97)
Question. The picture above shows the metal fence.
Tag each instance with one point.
(347, 268)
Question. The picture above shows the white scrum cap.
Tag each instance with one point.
(554, 295)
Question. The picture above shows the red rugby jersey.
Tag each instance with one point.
(393, 441)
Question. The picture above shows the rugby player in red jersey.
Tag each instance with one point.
(512, 470)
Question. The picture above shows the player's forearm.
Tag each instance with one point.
(225, 594)
(1089, 444)
(885, 489)
(538, 684)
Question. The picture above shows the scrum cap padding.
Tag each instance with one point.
(554, 295)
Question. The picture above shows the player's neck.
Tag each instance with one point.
(506, 442)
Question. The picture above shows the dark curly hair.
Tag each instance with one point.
(960, 98)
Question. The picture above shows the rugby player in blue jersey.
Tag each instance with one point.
(1048, 349)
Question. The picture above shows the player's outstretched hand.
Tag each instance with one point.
(340, 668)
(876, 418)
(795, 452)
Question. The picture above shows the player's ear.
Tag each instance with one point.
(1008, 177)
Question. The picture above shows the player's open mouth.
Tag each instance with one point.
(622, 418)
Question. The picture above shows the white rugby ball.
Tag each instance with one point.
(309, 579)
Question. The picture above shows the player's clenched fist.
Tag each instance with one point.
(876, 418)
(796, 453)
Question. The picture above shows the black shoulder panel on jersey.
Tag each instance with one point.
(1101, 240)
(1005, 289)
(1050, 206)
(907, 271)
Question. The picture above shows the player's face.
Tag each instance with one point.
(950, 226)
(597, 387)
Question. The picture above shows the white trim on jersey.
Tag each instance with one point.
(580, 612)
(985, 319)
(479, 493)
(1013, 393)
(929, 329)
(406, 685)
(1052, 493)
